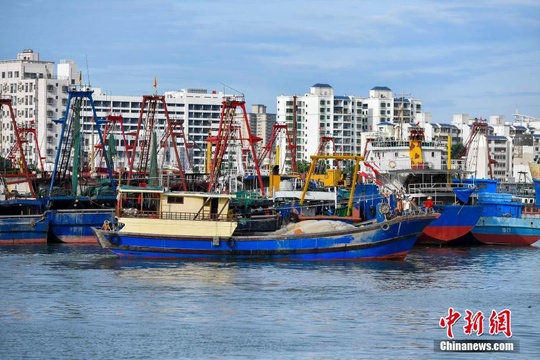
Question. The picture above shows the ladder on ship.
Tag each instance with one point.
(65, 146)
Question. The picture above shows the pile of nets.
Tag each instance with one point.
(314, 226)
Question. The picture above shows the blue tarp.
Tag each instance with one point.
(463, 194)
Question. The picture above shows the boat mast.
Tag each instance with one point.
(228, 131)
(23, 166)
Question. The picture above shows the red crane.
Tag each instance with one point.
(22, 159)
(177, 128)
(114, 124)
(277, 130)
(143, 137)
(479, 128)
(25, 132)
(229, 131)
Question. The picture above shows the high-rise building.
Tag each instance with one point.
(39, 95)
(322, 114)
(261, 123)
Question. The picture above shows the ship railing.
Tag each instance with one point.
(433, 187)
(176, 216)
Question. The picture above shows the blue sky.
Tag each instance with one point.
(476, 57)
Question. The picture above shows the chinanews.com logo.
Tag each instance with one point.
(499, 323)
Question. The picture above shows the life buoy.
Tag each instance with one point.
(384, 208)
(114, 239)
(392, 164)
(385, 226)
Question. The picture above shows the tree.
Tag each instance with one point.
(457, 149)
(5, 164)
(303, 166)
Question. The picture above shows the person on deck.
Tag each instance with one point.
(407, 205)
(106, 225)
(429, 204)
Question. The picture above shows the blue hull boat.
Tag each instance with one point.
(392, 239)
(72, 206)
(158, 223)
(23, 229)
(454, 224)
(74, 226)
(505, 220)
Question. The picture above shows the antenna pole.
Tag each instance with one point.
(87, 70)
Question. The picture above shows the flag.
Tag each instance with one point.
(80, 77)
(155, 82)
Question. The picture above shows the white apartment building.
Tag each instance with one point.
(321, 113)
(38, 94)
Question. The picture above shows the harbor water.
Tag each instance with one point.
(80, 302)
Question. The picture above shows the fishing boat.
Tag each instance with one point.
(24, 224)
(21, 216)
(158, 223)
(451, 198)
(505, 219)
(75, 202)
(417, 180)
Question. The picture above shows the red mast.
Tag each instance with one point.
(114, 124)
(145, 130)
(278, 129)
(22, 158)
(226, 133)
(479, 128)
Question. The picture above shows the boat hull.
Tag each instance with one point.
(453, 225)
(74, 226)
(389, 240)
(23, 229)
(498, 230)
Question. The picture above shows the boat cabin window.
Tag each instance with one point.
(140, 204)
(175, 199)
